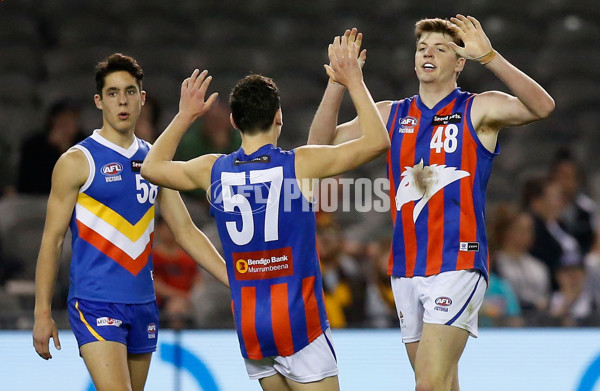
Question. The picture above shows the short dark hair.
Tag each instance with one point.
(114, 63)
(254, 101)
(437, 25)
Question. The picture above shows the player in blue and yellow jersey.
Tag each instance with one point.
(260, 200)
(443, 142)
(99, 193)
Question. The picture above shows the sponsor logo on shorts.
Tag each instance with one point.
(469, 246)
(401, 316)
(442, 303)
(260, 265)
(106, 321)
(151, 330)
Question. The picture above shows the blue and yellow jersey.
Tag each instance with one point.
(268, 232)
(438, 171)
(112, 225)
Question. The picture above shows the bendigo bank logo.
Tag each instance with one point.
(241, 266)
(260, 265)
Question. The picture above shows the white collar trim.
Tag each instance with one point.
(128, 153)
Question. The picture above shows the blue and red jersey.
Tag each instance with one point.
(438, 171)
(268, 233)
(112, 226)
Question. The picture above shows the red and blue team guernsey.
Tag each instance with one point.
(438, 171)
(268, 233)
(112, 225)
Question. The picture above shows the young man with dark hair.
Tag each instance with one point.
(443, 142)
(98, 192)
(259, 198)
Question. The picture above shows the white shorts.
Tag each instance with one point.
(314, 362)
(451, 298)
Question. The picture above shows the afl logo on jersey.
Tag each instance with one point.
(111, 172)
(407, 124)
(111, 169)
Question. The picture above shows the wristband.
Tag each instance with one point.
(486, 58)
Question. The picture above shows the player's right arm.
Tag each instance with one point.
(324, 129)
(323, 161)
(70, 173)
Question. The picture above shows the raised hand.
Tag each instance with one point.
(355, 37)
(344, 67)
(193, 92)
(477, 45)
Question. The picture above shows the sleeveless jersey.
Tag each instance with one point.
(438, 171)
(268, 232)
(112, 225)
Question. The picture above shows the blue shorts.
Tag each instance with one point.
(134, 325)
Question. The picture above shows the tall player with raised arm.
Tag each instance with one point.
(443, 142)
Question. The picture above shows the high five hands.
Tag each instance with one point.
(346, 58)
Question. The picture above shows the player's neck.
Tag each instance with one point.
(432, 93)
(121, 138)
(252, 143)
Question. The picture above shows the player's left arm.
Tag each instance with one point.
(494, 109)
(189, 237)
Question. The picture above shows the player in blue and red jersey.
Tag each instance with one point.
(443, 142)
(98, 191)
(260, 200)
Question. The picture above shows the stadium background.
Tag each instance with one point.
(48, 50)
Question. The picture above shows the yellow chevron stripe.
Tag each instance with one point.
(94, 333)
(133, 232)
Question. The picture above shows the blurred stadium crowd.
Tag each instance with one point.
(542, 198)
